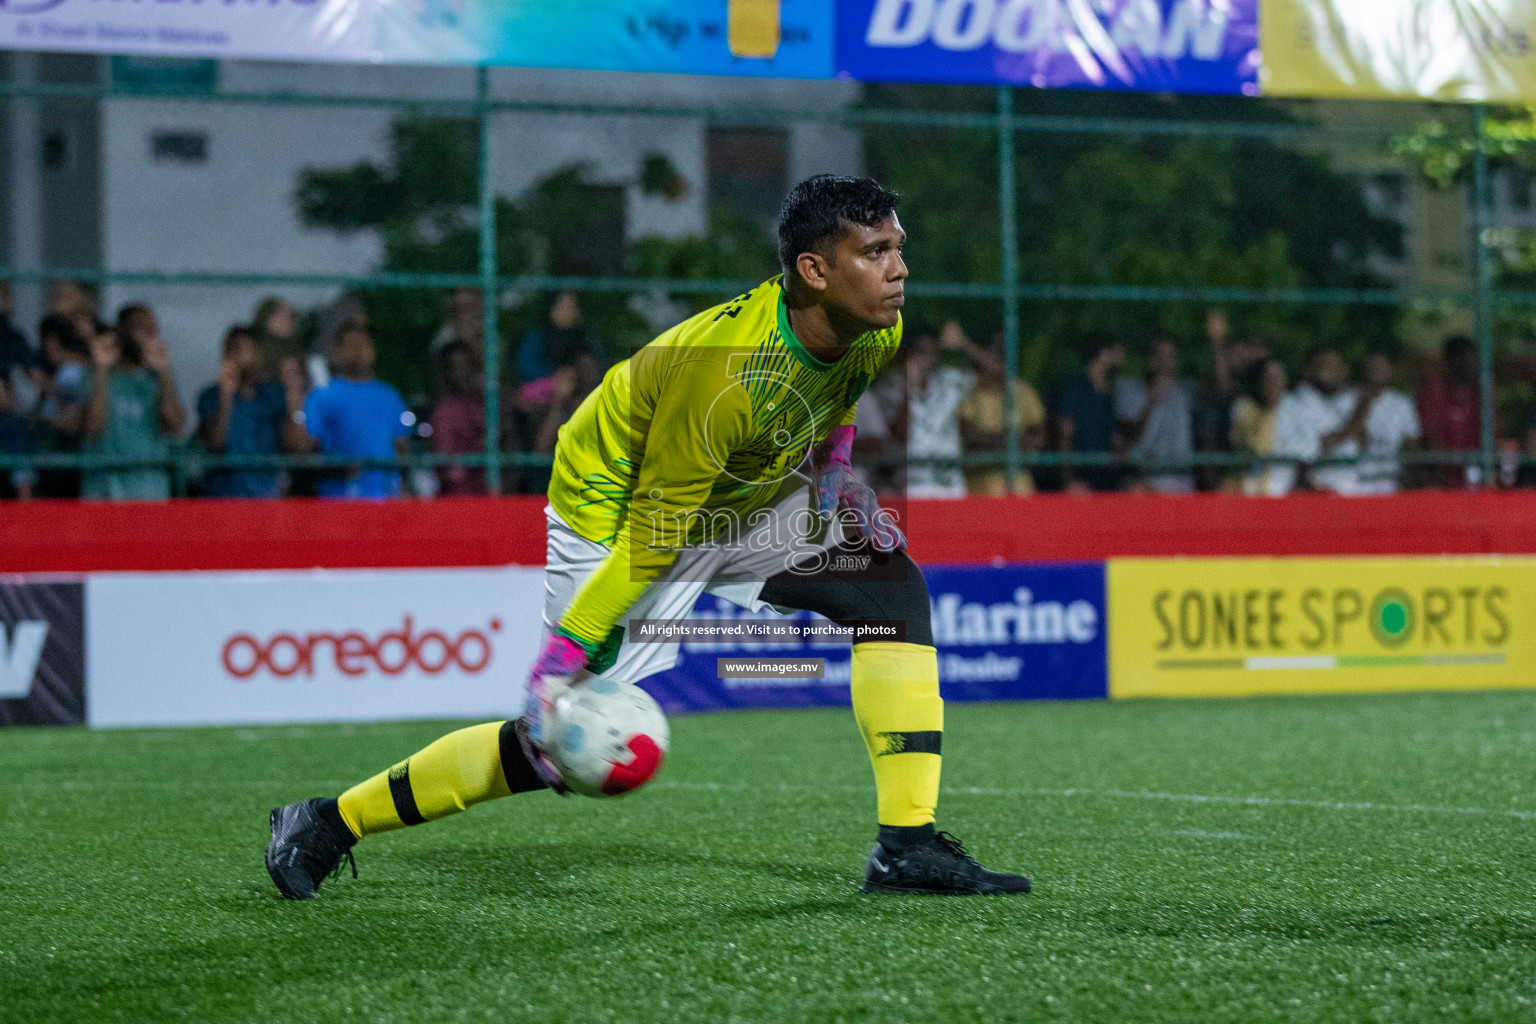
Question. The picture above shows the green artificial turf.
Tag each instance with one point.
(1363, 859)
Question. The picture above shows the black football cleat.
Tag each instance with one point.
(938, 866)
(305, 849)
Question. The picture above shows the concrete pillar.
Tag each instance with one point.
(26, 220)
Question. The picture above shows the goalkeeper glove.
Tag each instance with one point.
(559, 660)
(834, 486)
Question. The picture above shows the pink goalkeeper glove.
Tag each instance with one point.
(835, 486)
(557, 664)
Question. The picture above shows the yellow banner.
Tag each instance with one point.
(1429, 49)
(1197, 627)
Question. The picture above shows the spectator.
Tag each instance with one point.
(981, 425)
(245, 412)
(65, 361)
(19, 364)
(1085, 420)
(458, 419)
(1450, 410)
(275, 330)
(877, 451)
(346, 313)
(561, 341)
(1234, 363)
(357, 416)
(1383, 423)
(15, 439)
(1253, 425)
(1156, 421)
(465, 323)
(934, 394)
(566, 395)
(132, 410)
(77, 303)
(1310, 425)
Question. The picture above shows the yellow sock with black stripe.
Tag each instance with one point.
(459, 770)
(897, 705)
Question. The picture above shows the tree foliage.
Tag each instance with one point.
(1113, 209)
(424, 205)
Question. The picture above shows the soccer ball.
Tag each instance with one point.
(607, 738)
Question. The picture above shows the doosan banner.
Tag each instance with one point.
(1193, 46)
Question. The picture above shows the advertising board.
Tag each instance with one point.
(42, 652)
(1003, 633)
(1202, 627)
(319, 646)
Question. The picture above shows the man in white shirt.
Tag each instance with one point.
(1324, 419)
(1309, 426)
(934, 394)
(1386, 422)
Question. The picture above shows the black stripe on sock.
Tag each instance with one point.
(405, 799)
(910, 742)
(520, 775)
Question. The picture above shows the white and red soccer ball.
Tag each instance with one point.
(607, 738)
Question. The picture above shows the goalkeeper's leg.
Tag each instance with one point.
(901, 717)
(310, 838)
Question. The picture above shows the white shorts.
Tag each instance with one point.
(735, 572)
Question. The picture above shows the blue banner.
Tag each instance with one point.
(769, 38)
(1017, 632)
(1186, 46)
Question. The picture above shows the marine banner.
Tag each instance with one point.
(1205, 627)
(1010, 632)
(1406, 49)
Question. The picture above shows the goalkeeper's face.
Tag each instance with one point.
(866, 278)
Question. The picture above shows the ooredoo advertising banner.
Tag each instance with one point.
(42, 652)
(1204, 627)
(1191, 46)
(324, 646)
(1003, 633)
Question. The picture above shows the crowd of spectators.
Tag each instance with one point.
(108, 392)
(1243, 428)
(935, 425)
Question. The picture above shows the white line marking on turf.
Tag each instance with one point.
(1127, 794)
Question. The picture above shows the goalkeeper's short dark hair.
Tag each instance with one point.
(819, 210)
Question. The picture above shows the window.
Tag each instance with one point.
(179, 147)
(748, 170)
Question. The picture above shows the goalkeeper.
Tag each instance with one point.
(716, 458)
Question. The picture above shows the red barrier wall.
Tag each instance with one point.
(81, 537)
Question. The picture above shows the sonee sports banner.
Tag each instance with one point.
(1206, 627)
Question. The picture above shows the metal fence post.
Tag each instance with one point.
(490, 342)
(1006, 214)
(1483, 299)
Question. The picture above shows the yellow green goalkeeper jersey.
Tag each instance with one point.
(688, 437)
